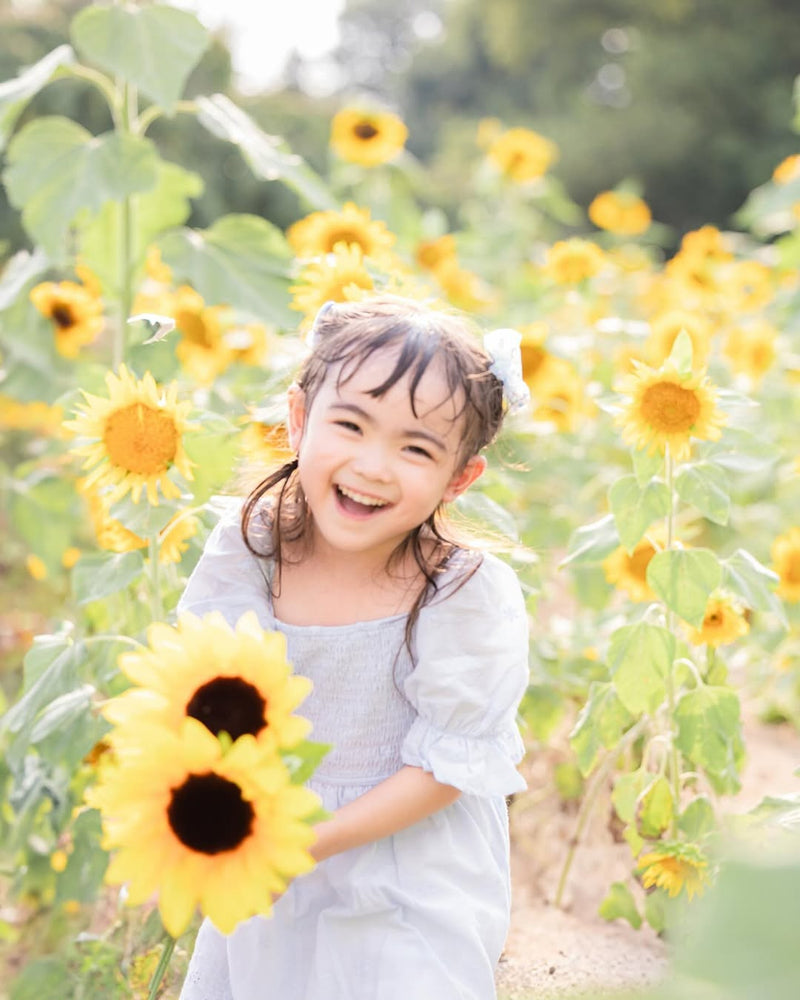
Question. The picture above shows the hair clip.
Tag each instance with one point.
(312, 338)
(502, 346)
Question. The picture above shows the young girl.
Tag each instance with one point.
(417, 649)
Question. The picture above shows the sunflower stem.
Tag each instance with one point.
(128, 107)
(161, 968)
(154, 578)
(674, 763)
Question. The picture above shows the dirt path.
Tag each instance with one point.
(554, 952)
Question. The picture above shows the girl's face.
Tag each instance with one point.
(371, 470)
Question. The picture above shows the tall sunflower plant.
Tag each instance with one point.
(661, 726)
(146, 336)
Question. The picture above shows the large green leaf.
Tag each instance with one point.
(57, 170)
(684, 579)
(153, 47)
(754, 582)
(18, 272)
(268, 155)
(656, 808)
(42, 510)
(640, 657)
(635, 508)
(214, 448)
(15, 93)
(103, 573)
(709, 733)
(242, 261)
(704, 485)
(592, 542)
(166, 205)
(620, 903)
(601, 723)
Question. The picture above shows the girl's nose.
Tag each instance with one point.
(372, 462)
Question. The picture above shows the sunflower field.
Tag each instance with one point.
(649, 497)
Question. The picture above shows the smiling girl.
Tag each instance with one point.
(417, 649)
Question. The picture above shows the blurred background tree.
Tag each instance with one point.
(689, 99)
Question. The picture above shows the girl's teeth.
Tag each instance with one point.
(361, 498)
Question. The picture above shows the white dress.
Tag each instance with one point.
(424, 913)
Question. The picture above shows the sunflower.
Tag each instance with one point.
(668, 408)
(628, 570)
(787, 170)
(267, 444)
(558, 396)
(665, 329)
(368, 138)
(431, 254)
(137, 438)
(674, 867)
(202, 350)
(319, 232)
(620, 212)
(748, 285)
(35, 416)
(155, 268)
(568, 262)
(786, 563)
(248, 343)
(535, 356)
(751, 349)
(522, 155)
(200, 824)
(723, 622)
(337, 276)
(36, 567)
(463, 288)
(173, 539)
(76, 313)
(110, 534)
(708, 242)
(232, 680)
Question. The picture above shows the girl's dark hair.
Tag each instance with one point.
(345, 336)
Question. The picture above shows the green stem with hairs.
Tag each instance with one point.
(161, 968)
(674, 762)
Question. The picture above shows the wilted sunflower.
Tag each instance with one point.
(138, 438)
(319, 232)
(628, 570)
(668, 408)
(674, 867)
(786, 563)
(232, 680)
(336, 277)
(568, 262)
(620, 212)
(723, 622)
(522, 155)
(201, 824)
(368, 138)
(76, 313)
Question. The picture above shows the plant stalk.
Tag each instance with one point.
(674, 762)
(161, 968)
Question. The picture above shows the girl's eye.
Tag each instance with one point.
(416, 450)
(347, 424)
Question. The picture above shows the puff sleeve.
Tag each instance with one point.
(471, 655)
(228, 578)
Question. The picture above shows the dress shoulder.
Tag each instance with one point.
(471, 671)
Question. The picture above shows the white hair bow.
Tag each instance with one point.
(502, 346)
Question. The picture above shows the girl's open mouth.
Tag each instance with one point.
(359, 504)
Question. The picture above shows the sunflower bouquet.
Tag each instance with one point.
(202, 796)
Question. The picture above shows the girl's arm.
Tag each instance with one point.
(396, 803)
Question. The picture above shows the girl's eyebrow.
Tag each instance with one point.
(425, 435)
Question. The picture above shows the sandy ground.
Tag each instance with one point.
(570, 950)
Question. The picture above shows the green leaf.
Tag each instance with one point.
(656, 808)
(697, 820)
(57, 171)
(704, 485)
(42, 977)
(635, 509)
(479, 506)
(98, 575)
(242, 261)
(62, 711)
(541, 710)
(42, 509)
(303, 759)
(87, 862)
(568, 780)
(625, 796)
(709, 732)
(592, 542)
(680, 356)
(640, 657)
(619, 903)
(214, 449)
(601, 723)
(15, 93)
(166, 205)
(267, 155)
(684, 579)
(741, 451)
(754, 582)
(21, 269)
(646, 465)
(143, 518)
(154, 48)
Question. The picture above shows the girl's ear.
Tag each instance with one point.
(297, 415)
(472, 470)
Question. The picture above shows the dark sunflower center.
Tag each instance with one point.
(62, 316)
(365, 130)
(230, 705)
(208, 814)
